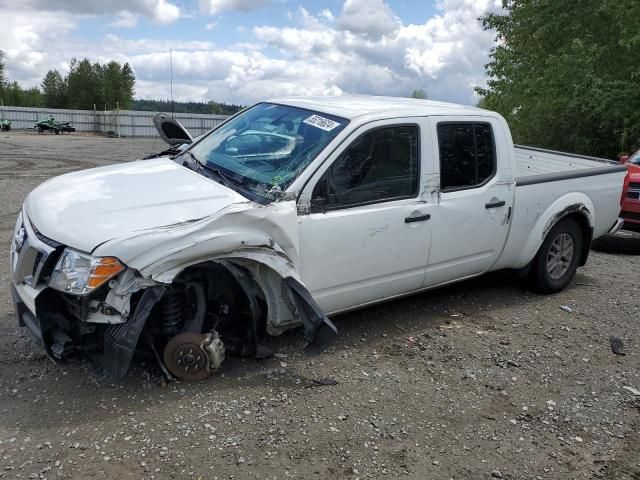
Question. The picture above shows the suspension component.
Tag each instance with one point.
(171, 313)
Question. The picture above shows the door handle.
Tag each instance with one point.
(501, 203)
(419, 218)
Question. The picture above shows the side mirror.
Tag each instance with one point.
(320, 196)
(318, 205)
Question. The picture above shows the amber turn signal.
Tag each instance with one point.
(103, 270)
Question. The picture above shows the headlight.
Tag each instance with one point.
(80, 273)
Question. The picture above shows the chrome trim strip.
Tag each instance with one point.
(616, 226)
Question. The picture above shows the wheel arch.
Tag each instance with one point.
(574, 205)
(266, 267)
(288, 302)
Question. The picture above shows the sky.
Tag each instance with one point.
(244, 51)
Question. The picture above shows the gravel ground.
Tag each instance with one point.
(478, 380)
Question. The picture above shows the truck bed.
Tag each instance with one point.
(537, 165)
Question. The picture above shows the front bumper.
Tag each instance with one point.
(48, 329)
(26, 314)
(62, 336)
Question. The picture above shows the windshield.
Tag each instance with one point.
(635, 158)
(264, 149)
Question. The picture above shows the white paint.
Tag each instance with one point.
(159, 217)
(467, 237)
(83, 209)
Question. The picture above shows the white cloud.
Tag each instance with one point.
(161, 11)
(213, 7)
(315, 54)
(371, 18)
(445, 55)
(125, 19)
(326, 13)
(26, 40)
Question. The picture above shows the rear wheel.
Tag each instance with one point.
(557, 260)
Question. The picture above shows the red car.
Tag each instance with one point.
(630, 201)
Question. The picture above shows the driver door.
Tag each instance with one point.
(365, 235)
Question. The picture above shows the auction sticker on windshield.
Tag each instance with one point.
(323, 123)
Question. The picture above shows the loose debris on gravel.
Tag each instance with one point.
(478, 380)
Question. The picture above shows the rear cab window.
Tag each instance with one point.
(467, 155)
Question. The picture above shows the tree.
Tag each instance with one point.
(54, 90)
(216, 108)
(566, 75)
(2, 78)
(14, 95)
(84, 84)
(186, 107)
(419, 93)
(32, 97)
(87, 84)
(127, 86)
(111, 74)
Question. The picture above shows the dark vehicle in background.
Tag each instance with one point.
(630, 201)
(50, 124)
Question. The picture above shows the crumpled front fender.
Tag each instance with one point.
(289, 303)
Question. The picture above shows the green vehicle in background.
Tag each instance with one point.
(50, 124)
(5, 125)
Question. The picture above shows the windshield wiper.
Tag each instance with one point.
(226, 178)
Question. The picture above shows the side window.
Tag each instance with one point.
(380, 165)
(467, 154)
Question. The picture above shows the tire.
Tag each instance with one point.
(621, 243)
(556, 262)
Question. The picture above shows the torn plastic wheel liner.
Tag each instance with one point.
(319, 331)
(120, 340)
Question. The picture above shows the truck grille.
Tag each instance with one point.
(633, 192)
(31, 258)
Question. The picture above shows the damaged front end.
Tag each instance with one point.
(77, 305)
(211, 309)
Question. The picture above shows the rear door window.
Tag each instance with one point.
(467, 155)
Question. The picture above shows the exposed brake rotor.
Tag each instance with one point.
(193, 356)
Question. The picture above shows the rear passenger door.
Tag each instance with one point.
(475, 195)
(365, 234)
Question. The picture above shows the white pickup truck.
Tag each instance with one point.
(291, 211)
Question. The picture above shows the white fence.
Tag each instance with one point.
(123, 123)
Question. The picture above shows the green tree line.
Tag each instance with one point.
(107, 86)
(186, 107)
(86, 84)
(566, 74)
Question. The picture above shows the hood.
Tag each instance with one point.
(171, 130)
(86, 208)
